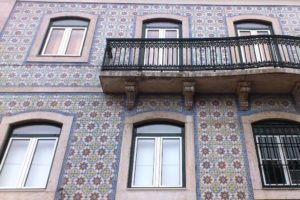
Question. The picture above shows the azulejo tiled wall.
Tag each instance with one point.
(222, 170)
(91, 166)
(114, 21)
(272, 103)
(90, 169)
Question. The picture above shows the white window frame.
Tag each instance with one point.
(65, 41)
(161, 35)
(256, 46)
(157, 171)
(30, 152)
(282, 157)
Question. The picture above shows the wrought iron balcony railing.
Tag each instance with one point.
(193, 54)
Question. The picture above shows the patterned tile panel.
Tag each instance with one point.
(222, 170)
(49, 76)
(159, 103)
(90, 168)
(118, 21)
(272, 103)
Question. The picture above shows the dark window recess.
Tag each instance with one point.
(278, 152)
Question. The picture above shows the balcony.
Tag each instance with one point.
(264, 64)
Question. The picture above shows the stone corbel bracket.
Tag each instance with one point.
(188, 93)
(296, 93)
(242, 91)
(131, 92)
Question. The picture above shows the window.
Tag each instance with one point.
(158, 156)
(176, 138)
(161, 30)
(259, 52)
(65, 37)
(278, 151)
(28, 157)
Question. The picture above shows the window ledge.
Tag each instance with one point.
(57, 58)
(156, 189)
(22, 189)
(276, 194)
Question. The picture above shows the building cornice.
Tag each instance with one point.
(182, 2)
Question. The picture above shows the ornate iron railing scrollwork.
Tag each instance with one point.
(196, 54)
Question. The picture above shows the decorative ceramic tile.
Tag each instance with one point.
(272, 103)
(221, 161)
(115, 21)
(90, 169)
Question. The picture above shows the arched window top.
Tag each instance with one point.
(41, 129)
(162, 28)
(162, 23)
(159, 128)
(253, 24)
(70, 22)
(276, 127)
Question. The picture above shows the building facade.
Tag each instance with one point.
(129, 100)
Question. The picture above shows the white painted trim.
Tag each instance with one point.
(26, 164)
(157, 164)
(64, 43)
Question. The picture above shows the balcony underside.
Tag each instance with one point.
(241, 65)
(263, 80)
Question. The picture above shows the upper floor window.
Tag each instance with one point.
(261, 51)
(162, 29)
(158, 54)
(247, 28)
(27, 159)
(157, 158)
(278, 151)
(65, 37)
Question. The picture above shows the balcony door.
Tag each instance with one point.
(158, 51)
(260, 52)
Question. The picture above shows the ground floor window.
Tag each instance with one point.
(278, 151)
(157, 156)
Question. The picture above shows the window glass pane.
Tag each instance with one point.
(273, 171)
(247, 25)
(54, 41)
(74, 45)
(244, 33)
(144, 163)
(268, 147)
(294, 169)
(159, 128)
(263, 33)
(291, 147)
(11, 170)
(152, 33)
(171, 34)
(171, 167)
(70, 22)
(41, 164)
(37, 129)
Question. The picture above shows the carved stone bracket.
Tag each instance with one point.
(296, 93)
(243, 90)
(130, 91)
(188, 93)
